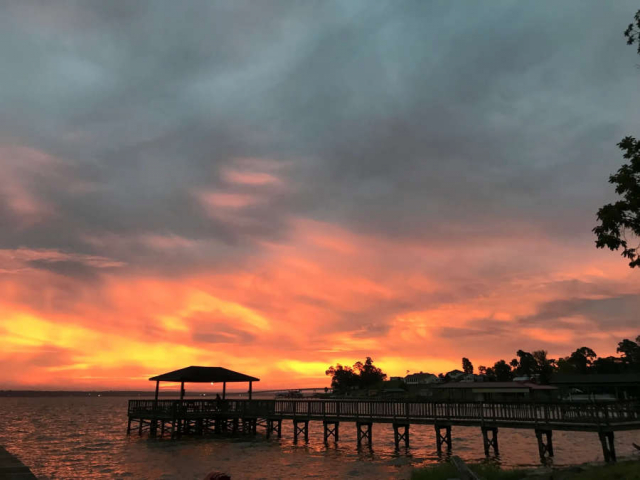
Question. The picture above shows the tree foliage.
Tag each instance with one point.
(502, 371)
(632, 33)
(620, 221)
(467, 366)
(362, 375)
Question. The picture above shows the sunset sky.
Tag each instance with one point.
(277, 186)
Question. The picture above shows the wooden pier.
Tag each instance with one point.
(180, 417)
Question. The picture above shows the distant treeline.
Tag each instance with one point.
(531, 365)
(583, 361)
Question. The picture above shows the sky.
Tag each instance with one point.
(278, 186)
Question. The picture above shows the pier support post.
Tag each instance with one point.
(129, 426)
(300, 426)
(608, 446)
(328, 431)
(545, 447)
(140, 428)
(490, 441)
(249, 426)
(364, 433)
(274, 426)
(162, 428)
(443, 438)
(398, 436)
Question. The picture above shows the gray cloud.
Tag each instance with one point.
(605, 313)
(403, 119)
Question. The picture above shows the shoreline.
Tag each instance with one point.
(627, 468)
(11, 468)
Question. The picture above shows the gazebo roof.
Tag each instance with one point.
(204, 375)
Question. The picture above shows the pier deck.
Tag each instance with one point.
(179, 417)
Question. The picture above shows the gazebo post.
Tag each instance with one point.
(157, 389)
(224, 390)
(181, 391)
(250, 389)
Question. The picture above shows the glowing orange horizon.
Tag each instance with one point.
(285, 319)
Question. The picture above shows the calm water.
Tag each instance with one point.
(86, 438)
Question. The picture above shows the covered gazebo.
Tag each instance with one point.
(204, 375)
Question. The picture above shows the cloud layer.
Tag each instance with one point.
(279, 186)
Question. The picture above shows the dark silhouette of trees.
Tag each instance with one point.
(633, 31)
(630, 353)
(544, 366)
(362, 375)
(525, 365)
(620, 221)
(608, 365)
(502, 371)
(536, 365)
(369, 373)
(342, 378)
(467, 366)
(579, 361)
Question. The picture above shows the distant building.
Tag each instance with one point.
(575, 387)
(458, 375)
(396, 379)
(421, 379)
(491, 391)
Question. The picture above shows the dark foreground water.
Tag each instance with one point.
(86, 438)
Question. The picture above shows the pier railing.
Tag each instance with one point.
(525, 414)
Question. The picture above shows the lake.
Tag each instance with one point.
(85, 437)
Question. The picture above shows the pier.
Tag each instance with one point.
(181, 417)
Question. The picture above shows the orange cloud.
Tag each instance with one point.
(319, 296)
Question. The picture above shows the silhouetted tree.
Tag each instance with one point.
(630, 351)
(579, 361)
(620, 221)
(526, 365)
(369, 374)
(490, 375)
(608, 365)
(482, 370)
(502, 371)
(633, 31)
(342, 378)
(361, 375)
(544, 366)
(467, 366)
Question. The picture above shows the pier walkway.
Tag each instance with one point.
(179, 417)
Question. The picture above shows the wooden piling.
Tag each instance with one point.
(440, 438)
(364, 433)
(490, 440)
(545, 444)
(399, 436)
(608, 446)
(300, 427)
(331, 431)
